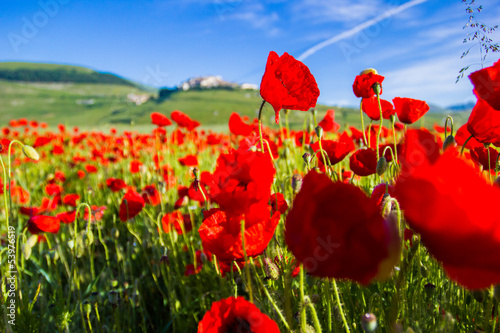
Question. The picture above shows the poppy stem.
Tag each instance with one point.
(6, 203)
(339, 305)
(379, 127)
(496, 166)
(270, 298)
(303, 316)
(362, 121)
(446, 126)
(260, 125)
(465, 144)
(247, 269)
(393, 121)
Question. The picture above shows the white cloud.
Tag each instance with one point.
(319, 11)
(256, 16)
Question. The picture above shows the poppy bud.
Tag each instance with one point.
(319, 131)
(369, 322)
(377, 88)
(307, 158)
(30, 152)
(449, 142)
(272, 270)
(296, 183)
(27, 250)
(113, 297)
(115, 233)
(369, 70)
(88, 238)
(381, 166)
(87, 307)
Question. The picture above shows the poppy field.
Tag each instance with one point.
(329, 228)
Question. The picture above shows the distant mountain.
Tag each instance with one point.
(462, 107)
(54, 73)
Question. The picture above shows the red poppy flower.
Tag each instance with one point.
(480, 156)
(364, 162)
(363, 84)
(42, 223)
(335, 150)
(189, 160)
(241, 178)
(370, 107)
(484, 123)
(151, 195)
(221, 233)
(236, 315)
(131, 205)
(53, 189)
(238, 127)
(487, 84)
(175, 219)
(67, 217)
(356, 134)
(183, 120)
(336, 231)
(115, 185)
(160, 119)
(409, 110)
(419, 148)
(96, 213)
(462, 135)
(29, 211)
(380, 191)
(278, 203)
(20, 195)
(288, 84)
(445, 213)
(328, 123)
(135, 166)
(90, 168)
(71, 199)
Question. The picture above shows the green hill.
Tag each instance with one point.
(34, 72)
(103, 103)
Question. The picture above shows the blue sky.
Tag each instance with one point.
(417, 47)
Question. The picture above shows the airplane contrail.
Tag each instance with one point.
(358, 28)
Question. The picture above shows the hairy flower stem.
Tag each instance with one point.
(260, 126)
(362, 121)
(247, 269)
(339, 305)
(465, 144)
(303, 317)
(393, 121)
(379, 127)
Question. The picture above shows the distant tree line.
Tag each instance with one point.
(60, 75)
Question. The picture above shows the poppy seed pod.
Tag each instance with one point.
(381, 166)
(30, 152)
